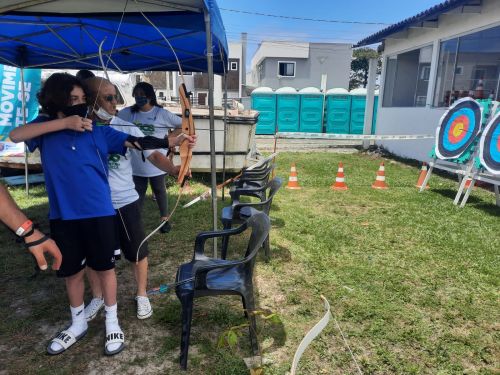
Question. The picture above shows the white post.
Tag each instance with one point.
(370, 95)
(168, 93)
(432, 74)
(23, 108)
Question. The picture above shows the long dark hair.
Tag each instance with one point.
(148, 91)
(56, 92)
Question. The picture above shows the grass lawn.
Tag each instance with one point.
(412, 280)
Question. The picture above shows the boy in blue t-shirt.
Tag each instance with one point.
(74, 157)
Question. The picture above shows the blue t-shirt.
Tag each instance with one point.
(76, 170)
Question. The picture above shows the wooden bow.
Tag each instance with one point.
(185, 152)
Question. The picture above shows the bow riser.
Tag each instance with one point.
(185, 152)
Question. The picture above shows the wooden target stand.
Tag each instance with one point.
(468, 165)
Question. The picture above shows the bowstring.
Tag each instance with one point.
(184, 82)
(105, 67)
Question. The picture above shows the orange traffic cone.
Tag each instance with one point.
(380, 180)
(421, 177)
(293, 182)
(339, 183)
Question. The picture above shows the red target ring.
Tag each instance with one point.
(459, 129)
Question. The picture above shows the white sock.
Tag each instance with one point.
(78, 325)
(112, 324)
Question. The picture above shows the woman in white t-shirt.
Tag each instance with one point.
(151, 119)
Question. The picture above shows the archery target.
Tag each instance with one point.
(489, 146)
(458, 128)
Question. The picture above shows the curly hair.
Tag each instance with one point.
(56, 92)
(148, 91)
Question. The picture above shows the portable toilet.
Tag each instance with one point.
(264, 101)
(311, 110)
(358, 105)
(338, 111)
(375, 106)
(288, 109)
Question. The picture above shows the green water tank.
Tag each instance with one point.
(338, 111)
(311, 110)
(264, 101)
(358, 105)
(288, 109)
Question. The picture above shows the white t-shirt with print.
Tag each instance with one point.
(120, 167)
(156, 122)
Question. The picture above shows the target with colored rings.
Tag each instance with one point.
(458, 128)
(489, 146)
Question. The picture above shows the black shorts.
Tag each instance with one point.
(89, 242)
(131, 231)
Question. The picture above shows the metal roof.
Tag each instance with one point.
(429, 15)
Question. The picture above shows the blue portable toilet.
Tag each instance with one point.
(288, 109)
(375, 106)
(311, 110)
(358, 105)
(264, 101)
(338, 111)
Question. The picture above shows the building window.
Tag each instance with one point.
(469, 66)
(407, 78)
(286, 69)
(233, 65)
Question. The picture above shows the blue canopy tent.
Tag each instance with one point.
(133, 35)
(66, 34)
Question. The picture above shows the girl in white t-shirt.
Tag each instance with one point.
(151, 119)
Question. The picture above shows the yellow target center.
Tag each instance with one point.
(458, 129)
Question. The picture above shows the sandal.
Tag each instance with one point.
(114, 338)
(64, 338)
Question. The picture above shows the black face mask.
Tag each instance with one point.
(78, 110)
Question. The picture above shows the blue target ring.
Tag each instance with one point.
(489, 147)
(458, 128)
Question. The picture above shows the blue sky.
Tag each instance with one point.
(270, 28)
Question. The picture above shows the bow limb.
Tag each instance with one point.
(188, 128)
(311, 335)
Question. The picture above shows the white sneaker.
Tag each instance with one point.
(144, 309)
(93, 308)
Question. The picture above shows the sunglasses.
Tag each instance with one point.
(110, 98)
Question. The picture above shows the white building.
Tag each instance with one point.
(449, 51)
(300, 64)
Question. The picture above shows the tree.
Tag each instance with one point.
(359, 66)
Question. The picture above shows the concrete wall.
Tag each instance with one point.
(414, 120)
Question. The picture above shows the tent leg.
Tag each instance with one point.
(26, 171)
(213, 166)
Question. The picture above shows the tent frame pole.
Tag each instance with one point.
(23, 108)
(213, 166)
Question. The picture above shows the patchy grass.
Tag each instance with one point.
(413, 281)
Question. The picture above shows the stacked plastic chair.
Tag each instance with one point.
(236, 213)
(212, 277)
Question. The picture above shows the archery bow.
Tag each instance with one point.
(185, 152)
(188, 128)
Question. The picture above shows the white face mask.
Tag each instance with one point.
(103, 114)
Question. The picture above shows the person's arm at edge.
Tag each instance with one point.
(13, 217)
(160, 161)
(25, 132)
